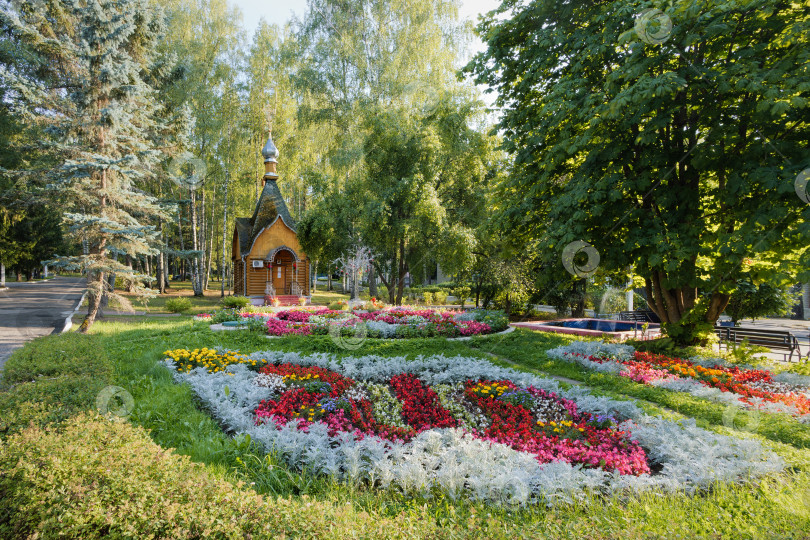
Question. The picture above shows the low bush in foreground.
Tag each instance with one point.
(100, 478)
(50, 356)
(62, 374)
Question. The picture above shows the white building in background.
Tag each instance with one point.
(441, 277)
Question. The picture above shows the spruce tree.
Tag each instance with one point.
(102, 117)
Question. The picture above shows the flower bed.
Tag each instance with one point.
(387, 323)
(714, 379)
(459, 424)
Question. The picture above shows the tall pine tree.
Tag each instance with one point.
(101, 114)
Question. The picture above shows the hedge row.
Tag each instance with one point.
(99, 478)
(58, 374)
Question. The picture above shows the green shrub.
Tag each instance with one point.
(18, 415)
(461, 294)
(63, 373)
(751, 301)
(543, 315)
(50, 356)
(178, 305)
(222, 315)
(339, 305)
(496, 319)
(440, 298)
(62, 396)
(235, 301)
(99, 478)
(427, 297)
(257, 324)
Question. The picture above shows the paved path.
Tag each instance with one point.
(800, 329)
(33, 309)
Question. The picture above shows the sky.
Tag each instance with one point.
(281, 11)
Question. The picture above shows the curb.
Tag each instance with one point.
(219, 327)
(468, 338)
(69, 319)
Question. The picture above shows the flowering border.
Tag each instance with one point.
(705, 378)
(687, 457)
(387, 323)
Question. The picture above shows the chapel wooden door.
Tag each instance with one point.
(279, 275)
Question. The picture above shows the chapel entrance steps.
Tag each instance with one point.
(285, 299)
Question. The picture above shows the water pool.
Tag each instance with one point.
(596, 327)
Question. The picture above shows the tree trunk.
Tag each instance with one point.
(391, 282)
(402, 270)
(225, 233)
(210, 241)
(166, 281)
(195, 261)
(95, 280)
(2, 275)
(672, 304)
(95, 286)
(182, 262)
(202, 242)
(131, 274)
(161, 263)
(717, 304)
(159, 273)
(372, 281)
(314, 270)
(355, 284)
(578, 308)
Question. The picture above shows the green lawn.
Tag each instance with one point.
(210, 300)
(322, 297)
(127, 354)
(11, 278)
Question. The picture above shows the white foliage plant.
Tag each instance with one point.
(684, 456)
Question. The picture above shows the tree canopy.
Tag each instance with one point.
(674, 156)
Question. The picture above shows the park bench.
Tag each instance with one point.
(780, 340)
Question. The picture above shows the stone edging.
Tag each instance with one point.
(219, 327)
(467, 338)
(69, 319)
